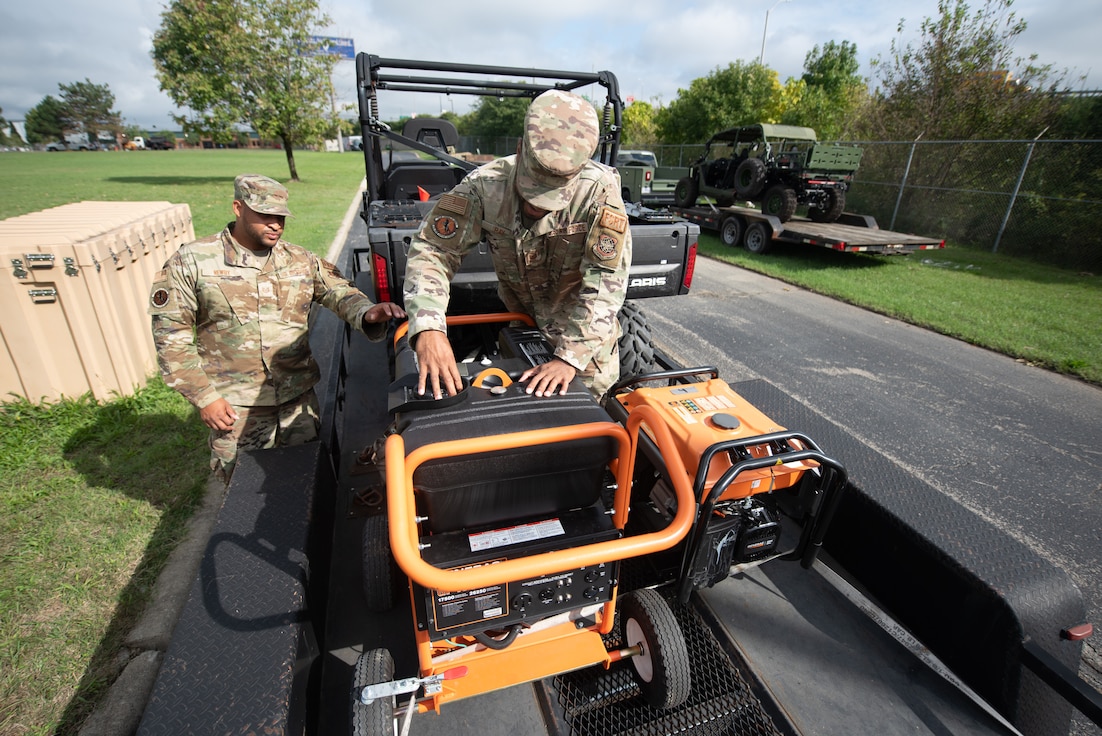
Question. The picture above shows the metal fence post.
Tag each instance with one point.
(1017, 186)
(903, 184)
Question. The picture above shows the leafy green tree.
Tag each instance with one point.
(961, 80)
(740, 94)
(496, 117)
(45, 121)
(4, 128)
(640, 128)
(829, 91)
(247, 61)
(87, 109)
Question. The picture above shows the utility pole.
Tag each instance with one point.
(765, 30)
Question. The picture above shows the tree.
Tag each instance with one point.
(247, 61)
(829, 91)
(741, 94)
(4, 127)
(962, 80)
(87, 109)
(496, 117)
(640, 129)
(45, 121)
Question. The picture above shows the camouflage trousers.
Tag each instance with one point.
(295, 422)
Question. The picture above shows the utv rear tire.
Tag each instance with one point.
(662, 669)
(749, 178)
(835, 204)
(684, 194)
(730, 231)
(779, 201)
(758, 238)
(636, 348)
(373, 667)
(380, 573)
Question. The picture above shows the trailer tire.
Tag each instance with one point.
(758, 238)
(380, 573)
(779, 201)
(662, 669)
(730, 231)
(373, 667)
(835, 205)
(635, 345)
(684, 194)
(750, 178)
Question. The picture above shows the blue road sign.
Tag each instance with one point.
(343, 48)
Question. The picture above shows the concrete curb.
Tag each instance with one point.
(121, 710)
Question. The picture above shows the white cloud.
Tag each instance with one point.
(655, 47)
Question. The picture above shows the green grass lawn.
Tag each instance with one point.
(94, 496)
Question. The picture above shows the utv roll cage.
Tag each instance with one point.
(375, 73)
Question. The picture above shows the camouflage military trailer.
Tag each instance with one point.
(780, 166)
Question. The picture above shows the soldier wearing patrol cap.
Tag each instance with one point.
(229, 315)
(558, 233)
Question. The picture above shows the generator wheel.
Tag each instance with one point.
(684, 194)
(834, 205)
(636, 348)
(377, 719)
(380, 573)
(662, 669)
(730, 231)
(758, 238)
(779, 201)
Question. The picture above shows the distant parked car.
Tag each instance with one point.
(71, 145)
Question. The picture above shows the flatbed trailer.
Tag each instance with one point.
(757, 232)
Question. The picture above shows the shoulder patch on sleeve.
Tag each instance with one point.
(614, 220)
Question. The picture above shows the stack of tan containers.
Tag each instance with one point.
(73, 296)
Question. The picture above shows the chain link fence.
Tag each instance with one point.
(1040, 200)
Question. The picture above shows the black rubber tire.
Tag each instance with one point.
(730, 231)
(377, 719)
(779, 201)
(380, 572)
(662, 670)
(749, 178)
(684, 194)
(625, 194)
(834, 207)
(758, 238)
(636, 347)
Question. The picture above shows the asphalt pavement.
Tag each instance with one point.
(1019, 445)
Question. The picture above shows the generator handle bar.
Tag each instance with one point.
(403, 523)
(669, 375)
(706, 457)
(471, 319)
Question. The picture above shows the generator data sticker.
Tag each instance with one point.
(469, 606)
(515, 535)
(689, 409)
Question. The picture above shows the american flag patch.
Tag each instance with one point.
(454, 203)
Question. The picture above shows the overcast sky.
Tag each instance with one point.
(654, 47)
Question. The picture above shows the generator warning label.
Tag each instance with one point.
(515, 535)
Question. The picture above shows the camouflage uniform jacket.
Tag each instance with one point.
(228, 324)
(568, 272)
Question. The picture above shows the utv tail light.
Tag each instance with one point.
(690, 266)
(382, 284)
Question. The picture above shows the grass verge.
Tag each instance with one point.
(93, 497)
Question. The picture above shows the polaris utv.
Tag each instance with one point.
(782, 166)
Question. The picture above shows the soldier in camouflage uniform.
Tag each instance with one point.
(558, 234)
(229, 317)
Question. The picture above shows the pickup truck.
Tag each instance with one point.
(644, 181)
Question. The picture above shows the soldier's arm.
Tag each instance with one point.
(336, 293)
(173, 309)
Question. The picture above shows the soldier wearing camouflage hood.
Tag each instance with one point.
(229, 316)
(558, 234)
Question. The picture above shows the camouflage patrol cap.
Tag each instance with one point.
(560, 134)
(261, 194)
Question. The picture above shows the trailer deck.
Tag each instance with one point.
(851, 233)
